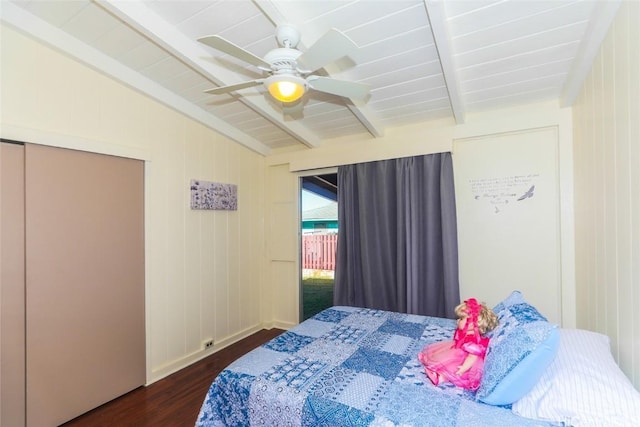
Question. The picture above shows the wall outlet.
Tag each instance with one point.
(207, 344)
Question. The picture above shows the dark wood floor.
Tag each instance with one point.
(175, 400)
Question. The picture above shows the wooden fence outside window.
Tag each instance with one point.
(319, 251)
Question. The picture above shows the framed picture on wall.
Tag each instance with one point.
(213, 195)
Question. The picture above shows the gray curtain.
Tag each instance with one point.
(397, 244)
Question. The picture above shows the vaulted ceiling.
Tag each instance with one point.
(424, 59)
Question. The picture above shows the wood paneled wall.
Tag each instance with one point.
(607, 192)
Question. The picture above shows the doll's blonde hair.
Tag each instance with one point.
(487, 319)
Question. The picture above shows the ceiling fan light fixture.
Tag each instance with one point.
(286, 88)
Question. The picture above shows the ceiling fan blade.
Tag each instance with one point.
(227, 47)
(332, 46)
(353, 90)
(231, 88)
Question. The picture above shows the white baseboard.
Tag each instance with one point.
(163, 371)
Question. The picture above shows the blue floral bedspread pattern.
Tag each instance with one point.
(346, 366)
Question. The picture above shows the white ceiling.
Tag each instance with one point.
(424, 59)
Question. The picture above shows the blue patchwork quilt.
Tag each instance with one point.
(347, 366)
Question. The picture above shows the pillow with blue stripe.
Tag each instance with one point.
(522, 346)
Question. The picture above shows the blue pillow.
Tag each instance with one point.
(521, 347)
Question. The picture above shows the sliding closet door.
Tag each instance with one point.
(84, 281)
(12, 351)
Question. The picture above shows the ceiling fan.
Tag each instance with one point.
(290, 71)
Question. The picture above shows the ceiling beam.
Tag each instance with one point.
(604, 12)
(192, 53)
(27, 23)
(442, 39)
(361, 111)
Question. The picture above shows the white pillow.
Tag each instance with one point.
(582, 386)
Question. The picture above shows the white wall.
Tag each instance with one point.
(607, 192)
(203, 268)
(507, 202)
(287, 166)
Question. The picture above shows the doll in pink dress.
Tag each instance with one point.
(461, 361)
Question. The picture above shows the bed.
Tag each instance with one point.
(350, 366)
